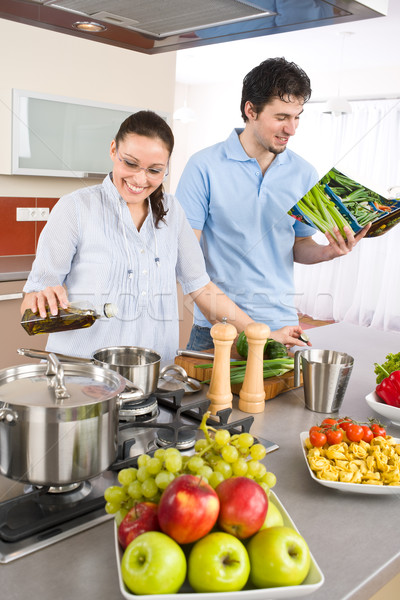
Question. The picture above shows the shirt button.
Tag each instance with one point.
(257, 172)
(142, 251)
(143, 293)
(144, 272)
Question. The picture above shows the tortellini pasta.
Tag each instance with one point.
(376, 463)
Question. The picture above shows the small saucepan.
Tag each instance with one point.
(140, 366)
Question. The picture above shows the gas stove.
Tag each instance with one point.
(32, 517)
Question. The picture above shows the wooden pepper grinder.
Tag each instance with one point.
(219, 392)
(252, 393)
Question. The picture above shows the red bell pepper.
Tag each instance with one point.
(389, 389)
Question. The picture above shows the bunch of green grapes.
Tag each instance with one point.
(217, 456)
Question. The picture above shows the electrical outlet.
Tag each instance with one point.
(32, 214)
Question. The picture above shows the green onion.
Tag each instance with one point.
(321, 211)
(271, 368)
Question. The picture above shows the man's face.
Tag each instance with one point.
(272, 128)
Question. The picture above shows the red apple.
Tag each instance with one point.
(141, 518)
(188, 509)
(244, 506)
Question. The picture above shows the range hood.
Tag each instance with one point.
(154, 26)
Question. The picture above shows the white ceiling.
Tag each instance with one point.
(373, 43)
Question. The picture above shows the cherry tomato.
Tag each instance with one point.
(316, 428)
(318, 439)
(368, 435)
(344, 423)
(354, 432)
(328, 422)
(378, 430)
(334, 436)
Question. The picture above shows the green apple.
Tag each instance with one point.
(279, 556)
(218, 563)
(153, 563)
(273, 518)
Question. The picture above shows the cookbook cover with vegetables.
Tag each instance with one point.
(339, 200)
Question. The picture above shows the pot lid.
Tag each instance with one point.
(54, 384)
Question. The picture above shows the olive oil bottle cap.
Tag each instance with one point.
(110, 310)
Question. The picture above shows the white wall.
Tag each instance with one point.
(217, 106)
(364, 64)
(43, 61)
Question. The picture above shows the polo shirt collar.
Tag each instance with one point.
(235, 150)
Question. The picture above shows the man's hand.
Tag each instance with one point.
(308, 252)
(341, 246)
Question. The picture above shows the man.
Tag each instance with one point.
(237, 193)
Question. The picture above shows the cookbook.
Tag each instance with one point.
(339, 200)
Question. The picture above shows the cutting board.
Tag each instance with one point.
(273, 386)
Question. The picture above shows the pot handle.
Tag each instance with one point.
(297, 368)
(44, 355)
(132, 393)
(8, 416)
(179, 372)
(55, 373)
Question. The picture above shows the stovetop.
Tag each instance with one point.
(33, 518)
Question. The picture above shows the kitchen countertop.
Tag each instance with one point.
(15, 268)
(353, 537)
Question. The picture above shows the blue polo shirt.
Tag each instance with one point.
(247, 235)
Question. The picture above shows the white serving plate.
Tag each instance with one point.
(390, 412)
(313, 581)
(358, 488)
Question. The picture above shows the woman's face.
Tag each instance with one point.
(135, 184)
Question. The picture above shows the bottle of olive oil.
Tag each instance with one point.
(73, 317)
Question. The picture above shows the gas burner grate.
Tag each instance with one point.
(34, 513)
(179, 433)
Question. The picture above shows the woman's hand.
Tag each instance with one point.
(53, 297)
(289, 335)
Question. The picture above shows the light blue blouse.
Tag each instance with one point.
(91, 245)
(247, 235)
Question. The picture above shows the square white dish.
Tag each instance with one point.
(313, 581)
(357, 488)
(383, 409)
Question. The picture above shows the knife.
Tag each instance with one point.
(195, 354)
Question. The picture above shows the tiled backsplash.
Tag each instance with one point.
(20, 237)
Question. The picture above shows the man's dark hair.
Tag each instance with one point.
(274, 78)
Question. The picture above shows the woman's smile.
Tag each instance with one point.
(134, 189)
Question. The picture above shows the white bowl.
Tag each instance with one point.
(390, 412)
(312, 582)
(341, 486)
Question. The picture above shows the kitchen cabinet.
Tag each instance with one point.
(13, 336)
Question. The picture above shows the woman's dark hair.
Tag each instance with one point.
(274, 77)
(149, 124)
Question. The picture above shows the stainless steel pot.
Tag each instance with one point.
(140, 366)
(59, 422)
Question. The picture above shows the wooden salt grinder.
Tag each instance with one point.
(219, 392)
(252, 393)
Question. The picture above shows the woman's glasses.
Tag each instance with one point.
(151, 172)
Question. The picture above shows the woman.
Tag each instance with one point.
(127, 242)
